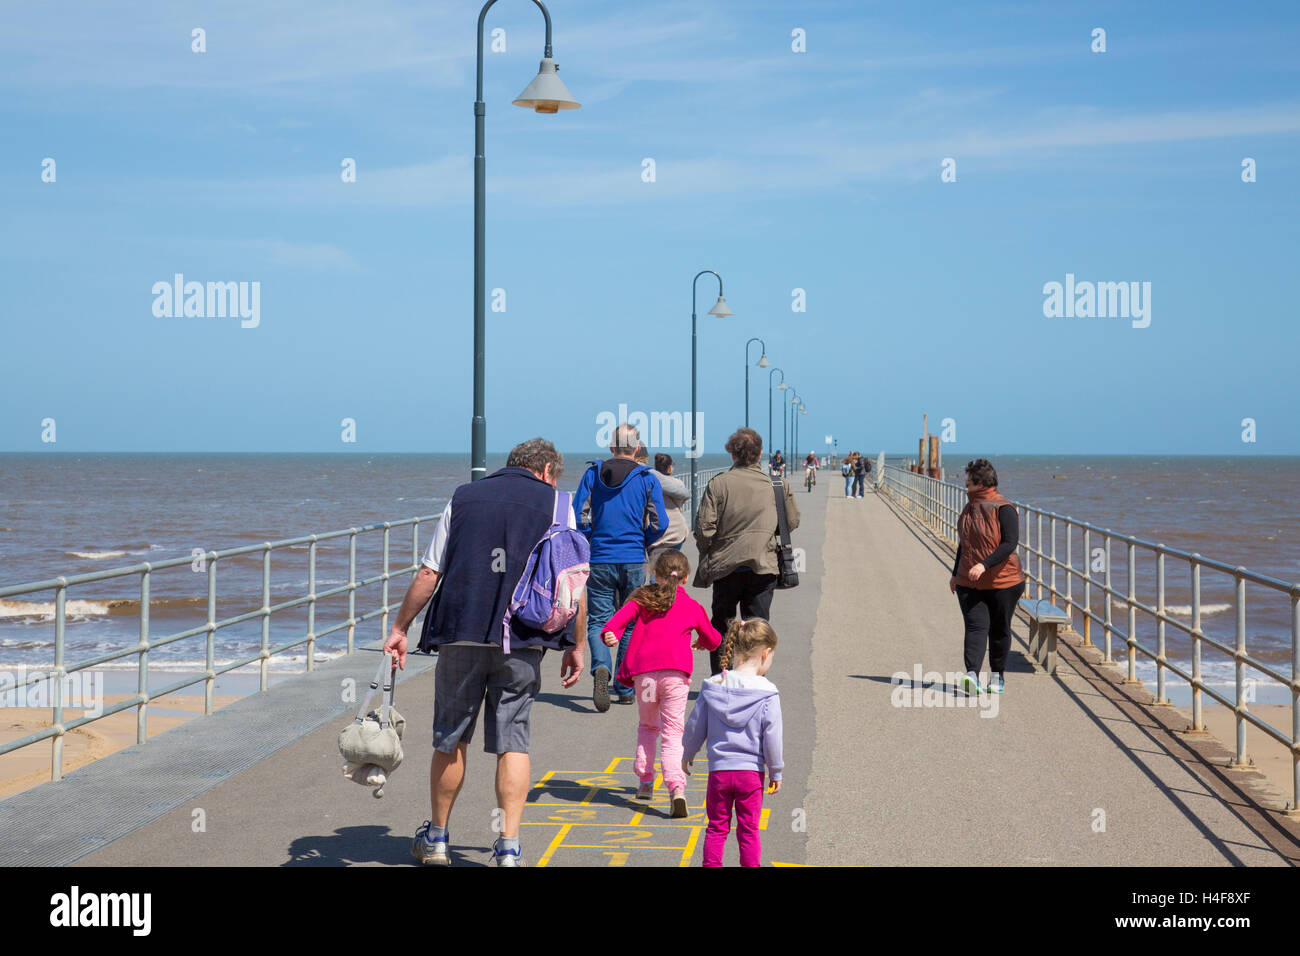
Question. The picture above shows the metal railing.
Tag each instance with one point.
(210, 561)
(938, 505)
(702, 478)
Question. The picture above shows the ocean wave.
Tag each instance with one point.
(43, 611)
(279, 663)
(1182, 610)
(96, 555)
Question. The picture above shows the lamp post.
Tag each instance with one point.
(545, 94)
(761, 363)
(802, 411)
(786, 429)
(782, 386)
(721, 311)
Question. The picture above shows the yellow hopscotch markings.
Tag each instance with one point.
(610, 790)
(690, 846)
(555, 844)
(762, 818)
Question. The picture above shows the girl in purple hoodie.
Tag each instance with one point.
(738, 713)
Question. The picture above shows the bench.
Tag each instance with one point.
(1044, 619)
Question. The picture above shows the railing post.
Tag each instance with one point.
(265, 663)
(311, 605)
(384, 617)
(1040, 556)
(1132, 614)
(1295, 701)
(1161, 696)
(211, 632)
(1087, 587)
(56, 688)
(142, 662)
(1198, 723)
(1053, 561)
(1069, 570)
(1240, 761)
(1109, 601)
(352, 590)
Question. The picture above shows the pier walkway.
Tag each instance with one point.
(1072, 770)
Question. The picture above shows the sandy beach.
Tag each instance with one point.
(30, 766)
(1272, 759)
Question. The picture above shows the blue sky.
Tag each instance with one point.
(780, 170)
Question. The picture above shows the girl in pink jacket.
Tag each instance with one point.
(658, 663)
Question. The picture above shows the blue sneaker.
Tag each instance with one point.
(507, 857)
(996, 684)
(970, 684)
(427, 852)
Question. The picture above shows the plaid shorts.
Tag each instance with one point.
(465, 676)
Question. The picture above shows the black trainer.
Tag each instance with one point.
(600, 692)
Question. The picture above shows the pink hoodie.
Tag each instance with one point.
(662, 641)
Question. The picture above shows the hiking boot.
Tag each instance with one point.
(600, 690)
(678, 800)
(646, 791)
(502, 857)
(627, 698)
(435, 854)
(996, 684)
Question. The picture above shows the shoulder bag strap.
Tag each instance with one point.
(782, 525)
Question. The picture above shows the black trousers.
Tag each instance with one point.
(750, 591)
(988, 614)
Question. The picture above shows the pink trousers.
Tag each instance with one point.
(742, 789)
(661, 697)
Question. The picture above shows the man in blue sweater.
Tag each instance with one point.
(620, 508)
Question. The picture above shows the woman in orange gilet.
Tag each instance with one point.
(986, 577)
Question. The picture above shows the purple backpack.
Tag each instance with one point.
(554, 579)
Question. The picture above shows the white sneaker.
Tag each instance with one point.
(970, 684)
(996, 684)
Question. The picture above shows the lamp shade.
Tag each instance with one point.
(763, 362)
(547, 93)
(783, 386)
(720, 309)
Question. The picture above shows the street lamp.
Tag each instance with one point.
(782, 386)
(545, 94)
(787, 431)
(721, 311)
(761, 363)
(802, 411)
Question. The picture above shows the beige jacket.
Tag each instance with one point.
(736, 526)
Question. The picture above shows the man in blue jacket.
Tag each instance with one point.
(620, 508)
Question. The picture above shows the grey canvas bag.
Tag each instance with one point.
(372, 744)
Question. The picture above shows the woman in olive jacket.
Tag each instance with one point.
(736, 533)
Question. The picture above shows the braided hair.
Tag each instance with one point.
(744, 639)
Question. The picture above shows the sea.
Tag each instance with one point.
(66, 514)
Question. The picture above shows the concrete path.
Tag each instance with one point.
(295, 809)
(1066, 771)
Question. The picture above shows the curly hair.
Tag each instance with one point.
(745, 446)
(745, 639)
(670, 570)
(535, 454)
(980, 471)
